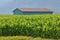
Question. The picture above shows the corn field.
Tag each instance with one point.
(45, 26)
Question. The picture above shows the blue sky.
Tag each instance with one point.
(7, 6)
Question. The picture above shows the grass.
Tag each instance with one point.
(23, 38)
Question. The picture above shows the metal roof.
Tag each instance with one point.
(35, 9)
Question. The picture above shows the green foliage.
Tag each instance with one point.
(46, 26)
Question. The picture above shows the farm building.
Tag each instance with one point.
(32, 11)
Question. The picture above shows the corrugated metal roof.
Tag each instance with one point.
(35, 9)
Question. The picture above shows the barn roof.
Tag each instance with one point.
(35, 9)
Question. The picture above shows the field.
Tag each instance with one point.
(24, 38)
(43, 26)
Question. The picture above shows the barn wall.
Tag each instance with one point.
(17, 11)
(37, 12)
